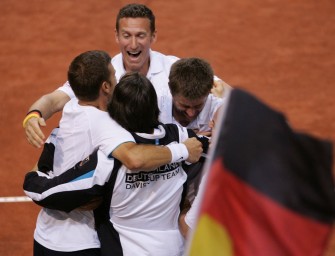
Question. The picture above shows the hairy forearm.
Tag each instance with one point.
(50, 103)
(144, 157)
(43, 105)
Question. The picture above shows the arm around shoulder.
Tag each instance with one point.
(50, 103)
(142, 157)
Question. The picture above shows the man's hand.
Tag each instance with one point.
(205, 133)
(220, 88)
(33, 131)
(47, 105)
(194, 148)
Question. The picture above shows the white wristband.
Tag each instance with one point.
(179, 152)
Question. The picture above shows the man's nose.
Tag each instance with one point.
(133, 43)
(191, 112)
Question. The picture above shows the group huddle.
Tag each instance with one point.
(127, 156)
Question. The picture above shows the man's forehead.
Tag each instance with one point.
(188, 102)
(134, 25)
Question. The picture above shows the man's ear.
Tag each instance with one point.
(154, 36)
(107, 87)
(116, 36)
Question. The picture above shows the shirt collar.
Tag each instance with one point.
(155, 63)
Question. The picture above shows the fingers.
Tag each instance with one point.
(41, 122)
(194, 148)
(218, 88)
(207, 134)
(34, 133)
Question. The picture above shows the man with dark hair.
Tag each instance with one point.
(139, 214)
(88, 71)
(135, 33)
(142, 207)
(144, 109)
(84, 127)
(193, 106)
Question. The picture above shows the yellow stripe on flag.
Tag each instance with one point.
(210, 238)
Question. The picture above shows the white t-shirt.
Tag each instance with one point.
(144, 206)
(82, 130)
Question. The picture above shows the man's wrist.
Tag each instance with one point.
(178, 151)
(33, 113)
(36, 111)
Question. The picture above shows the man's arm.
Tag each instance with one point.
(183, 227)
(48, 105)
(74, 188)
(89, 176)
(147, 157)
(189, 215)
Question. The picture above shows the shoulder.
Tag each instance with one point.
(117, 58)
(71, 108)
(166, 59)
(117, 61)
(66, 88)
(171, 129)
(102, 121)
(213, 98)
(214, 102)
(178, 133)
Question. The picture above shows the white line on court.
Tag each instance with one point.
(14, 199)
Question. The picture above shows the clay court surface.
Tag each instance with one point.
(280, 50)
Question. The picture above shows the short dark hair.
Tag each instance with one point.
(191, 77)
(87, 72)
(136, 11)
(134, 103)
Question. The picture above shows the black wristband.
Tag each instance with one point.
(35, 110)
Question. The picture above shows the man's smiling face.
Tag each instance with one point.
(135, 38)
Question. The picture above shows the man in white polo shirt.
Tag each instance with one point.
(135, 33)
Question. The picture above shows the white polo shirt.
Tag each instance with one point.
(158, 74)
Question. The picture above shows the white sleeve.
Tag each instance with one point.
(108, 134)
(66, 88)
(74, 187)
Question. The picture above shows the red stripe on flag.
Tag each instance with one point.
(256, 224)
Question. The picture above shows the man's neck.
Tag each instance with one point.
(144, 69)
(97, 104)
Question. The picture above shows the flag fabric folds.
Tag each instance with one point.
(270, 189)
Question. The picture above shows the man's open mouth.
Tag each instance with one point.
(134, 54)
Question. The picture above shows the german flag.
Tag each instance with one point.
(270, 190)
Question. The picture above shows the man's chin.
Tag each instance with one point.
(185, 122)
(133, 67)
